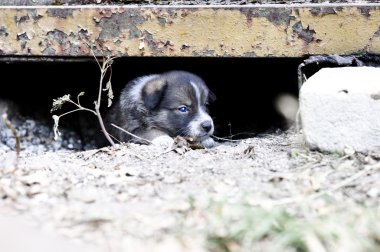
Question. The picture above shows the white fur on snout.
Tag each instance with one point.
(208, 142)
(163, 141)
(195, 127)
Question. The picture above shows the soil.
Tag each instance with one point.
(142, 198)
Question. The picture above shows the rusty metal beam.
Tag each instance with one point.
(212, 31)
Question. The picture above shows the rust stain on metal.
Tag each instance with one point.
(320, 11)
(23, 39)
(276, 16)
(60, 13)
(306, 34)
(117, 23)
(249, 31)
(3, 31)
(365, 11)
(58, 36)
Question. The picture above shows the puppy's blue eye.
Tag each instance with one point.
(183, 109)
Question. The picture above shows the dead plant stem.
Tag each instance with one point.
(102, 125)
(103, 71)
(131, 134)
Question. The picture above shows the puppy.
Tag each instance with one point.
(160, 107)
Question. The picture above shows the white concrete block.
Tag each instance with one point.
(340, 109)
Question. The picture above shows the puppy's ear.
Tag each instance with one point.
(153, 92)
(211, 97)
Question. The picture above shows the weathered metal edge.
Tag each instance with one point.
(290, 30)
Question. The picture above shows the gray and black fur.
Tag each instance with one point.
(169, 104)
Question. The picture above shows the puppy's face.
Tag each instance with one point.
(178, 104)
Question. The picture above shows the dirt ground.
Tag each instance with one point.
(268, 193)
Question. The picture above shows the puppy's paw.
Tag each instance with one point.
(163, 141)
(208, 143)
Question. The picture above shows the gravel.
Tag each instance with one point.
(142, 198)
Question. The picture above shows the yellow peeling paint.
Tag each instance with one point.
(188, 31)
(225, 32)
(346, 32)
(374, 47)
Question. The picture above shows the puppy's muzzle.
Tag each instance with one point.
(205, 129)
(207, 126)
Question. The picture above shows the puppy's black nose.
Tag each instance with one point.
(206, 126)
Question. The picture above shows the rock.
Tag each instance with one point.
(340, 109)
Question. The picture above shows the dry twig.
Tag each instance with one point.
(131, 134)
(57, 103)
